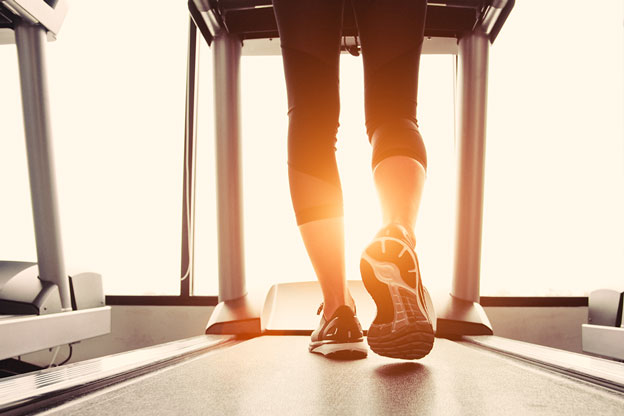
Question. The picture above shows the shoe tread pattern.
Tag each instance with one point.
(402, 327)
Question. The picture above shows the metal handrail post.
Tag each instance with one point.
(472, 73)
(30, 40)
(226, 59)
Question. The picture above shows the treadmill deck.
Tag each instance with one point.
(277, 375)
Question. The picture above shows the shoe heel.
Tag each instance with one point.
(377, 289)
(405, 323)
(432, 315)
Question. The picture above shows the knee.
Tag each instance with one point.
(312, 140)
(398, 137)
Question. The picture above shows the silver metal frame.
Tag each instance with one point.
(40, 12)
(227, 53)
(459, 314)
(23, 334)
(35, 12)
(271, 46)
(471, 102)
(30, 41)
(603, 340)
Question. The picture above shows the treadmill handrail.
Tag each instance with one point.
(254, 19)
(51, 17)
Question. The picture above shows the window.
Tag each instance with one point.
(554, 196)
(117, 85)
(554, 167)
(553, 223)
(274, 251)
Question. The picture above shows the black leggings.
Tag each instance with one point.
(391, 36)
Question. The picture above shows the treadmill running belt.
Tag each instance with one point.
(277, 375)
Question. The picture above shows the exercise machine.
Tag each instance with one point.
(42, 304)
(465, 28)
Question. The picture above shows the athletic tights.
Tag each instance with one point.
(391, 37)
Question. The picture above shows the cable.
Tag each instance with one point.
(71, 350)
(187, 175)
(187, 187)
(56, 350)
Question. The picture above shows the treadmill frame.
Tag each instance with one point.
(227, 24)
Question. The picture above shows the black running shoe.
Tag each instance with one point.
(405, 321)
(341, 337)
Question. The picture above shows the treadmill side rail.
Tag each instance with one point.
(607, 373)
(24, 334)
(28, 393)
(607, 341)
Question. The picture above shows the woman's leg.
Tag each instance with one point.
(400, 181)
(310, 39)
(324, 241)
(391, 34)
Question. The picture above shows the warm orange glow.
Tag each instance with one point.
(553, 220)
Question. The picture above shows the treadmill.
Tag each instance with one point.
(253, 358)
(465, 28)
(43, 304)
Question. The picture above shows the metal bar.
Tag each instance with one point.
(502, 18)
(200, 21)
(471, 125)
(30, 41)
(24, 334)
(189, 167)
(227, 53)
(48, 14)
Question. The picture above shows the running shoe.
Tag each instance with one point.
(405, 322)
(339, 337)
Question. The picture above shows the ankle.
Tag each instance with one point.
(405, 228)
(330, 307)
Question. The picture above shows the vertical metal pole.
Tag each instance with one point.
(30, 41)
(471, 125)
(188, 182)
(227, 53)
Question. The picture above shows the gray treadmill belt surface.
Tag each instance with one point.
(277, 375)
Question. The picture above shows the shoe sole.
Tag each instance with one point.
(344, 350)
(405, 324)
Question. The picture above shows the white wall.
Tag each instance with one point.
(557, 327)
